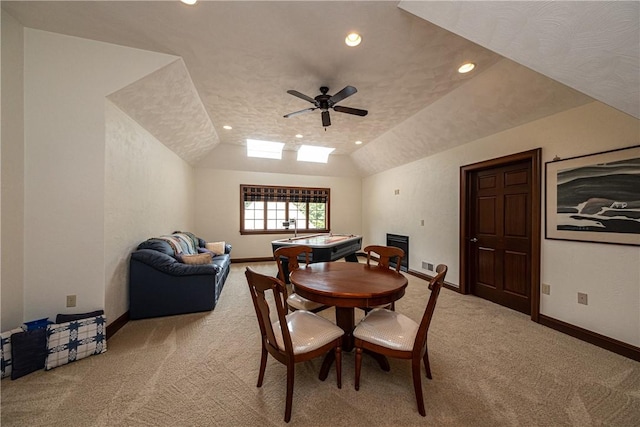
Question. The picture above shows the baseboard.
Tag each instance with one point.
(619, 347)
(427, 277)
(117, 324)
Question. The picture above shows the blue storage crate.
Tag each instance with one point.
(37, 324)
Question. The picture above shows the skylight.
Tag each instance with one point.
(310, 153)
(264, 149)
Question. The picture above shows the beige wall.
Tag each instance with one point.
(66, 80)
(149, 191)
(12, 167)
(218, 206)
(429, 190)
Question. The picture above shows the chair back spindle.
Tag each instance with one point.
(386, 255)
(435, 285)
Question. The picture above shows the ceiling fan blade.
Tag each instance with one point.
(326, 120)
(301, 96)
(348, 110)
(344, 93)
(306, 110)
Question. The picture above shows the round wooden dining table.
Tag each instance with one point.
(347, 285)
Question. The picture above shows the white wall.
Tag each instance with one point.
(12, 168)
(234, 157)
(149, 191)
(66, 80)
(218, 206)
(429, 190)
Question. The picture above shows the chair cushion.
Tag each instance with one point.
(308, 331)
(301, 303)
(387, 328)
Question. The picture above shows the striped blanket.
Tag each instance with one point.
(182, 243)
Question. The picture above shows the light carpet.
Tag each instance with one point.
(491, 367)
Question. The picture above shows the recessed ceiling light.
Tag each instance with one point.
(227, 127)
(189, 2)
(353, 39)
(465, 68)
(358, 142)
(298, 136)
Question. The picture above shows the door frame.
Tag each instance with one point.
(535, 159)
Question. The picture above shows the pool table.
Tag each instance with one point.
(325, 247)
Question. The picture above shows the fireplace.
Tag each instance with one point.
(401, 242)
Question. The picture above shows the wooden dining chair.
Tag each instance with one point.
(295, 337)
(385, 255)
(291, 253)
(395, 335)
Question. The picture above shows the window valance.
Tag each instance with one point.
(255, 193)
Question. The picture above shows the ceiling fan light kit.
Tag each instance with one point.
(324, 102)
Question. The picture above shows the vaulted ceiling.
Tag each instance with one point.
(236, 61)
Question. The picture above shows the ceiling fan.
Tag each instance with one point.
(324, 102)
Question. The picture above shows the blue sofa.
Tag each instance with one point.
(160, 284)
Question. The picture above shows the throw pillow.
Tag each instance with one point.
(216, 247)
(197, 259)
(64, 318)
(28, 352)
(205, 251)
(5, 351)
(71, 341)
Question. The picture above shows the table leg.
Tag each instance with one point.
(346, 319)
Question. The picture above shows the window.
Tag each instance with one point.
(268, 209)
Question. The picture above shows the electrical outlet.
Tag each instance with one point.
(71, 300)
(546, 289)
(582, 298)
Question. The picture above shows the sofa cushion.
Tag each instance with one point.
(71, 341)
(5, 360)
(196, 259)
(64, 318)
(28, 352)
(205, 251)
(218, 248)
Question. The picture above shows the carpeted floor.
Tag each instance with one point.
(491, 367)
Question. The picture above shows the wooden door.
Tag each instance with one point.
(501, 238)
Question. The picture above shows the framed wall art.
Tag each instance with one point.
(595, 198)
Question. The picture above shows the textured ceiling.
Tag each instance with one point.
(242, 57)
(592, 46)
(167, 105)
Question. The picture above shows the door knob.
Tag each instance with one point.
(473, 240)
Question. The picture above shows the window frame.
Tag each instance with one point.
(285, 191)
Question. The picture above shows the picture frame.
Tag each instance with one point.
(595, 197)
